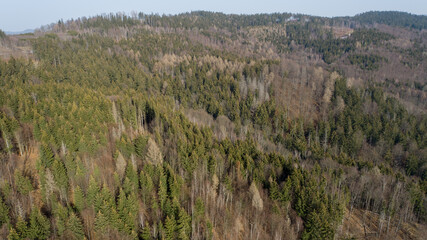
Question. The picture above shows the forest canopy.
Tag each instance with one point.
(213, 126)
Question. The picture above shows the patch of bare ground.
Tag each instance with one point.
(17, 46)
(362, 224)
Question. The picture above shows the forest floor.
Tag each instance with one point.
(16, 46)
(362, 224)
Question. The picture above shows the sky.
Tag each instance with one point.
(19, 15)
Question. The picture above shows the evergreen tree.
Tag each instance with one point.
(162, 191)
(170, 227)
(122, 204)
(79, 199)
(274, 190)
(200, 208)
(101, 222)
(145, 232)
(132, 179)
(46, 156)
(140, 146)
(60, 175)
(312, 227)
(22, 228)
(13, 235)
(61, 214)
(22, 183)
(92, 191)
(74, 227)
(115, 220)
(39, 225)
(184, 225)
(4, 213)
(147, 185)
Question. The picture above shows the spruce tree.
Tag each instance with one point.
(23, 184)
(79, 199)
(145, 232)
(75, 227)
(46, 156)
(22, 228)
(115, 220)
(170, 226)
(132, 175)
(101, 222)
(61, 214)
(13, 235)
(4, 213)
(140, 146)
(39, 225)
(122, 204)
(162, 193)
(147, 186)
(92, 191)
(60, 175)
(312, 227)
(184, 225)
(104, 199)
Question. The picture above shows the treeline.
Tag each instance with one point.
(2, 34)
(393, 18)
(202, 19)
(323, 42)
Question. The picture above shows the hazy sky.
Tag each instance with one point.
(18, 15)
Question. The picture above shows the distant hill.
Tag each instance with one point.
(19, 32)
(393, 18)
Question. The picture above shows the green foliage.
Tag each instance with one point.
(324, 42)
(4, 213)
(127, 209)
(417, 198)
(22, 228)
(183, 225)
(101, 222)
(320, 210)
(46, 156)
(74, 227)
(142, 86)
(13, 235)
(394, 18)
(317, 226)
(79, 199)
(141, 146)
(200, 208)
(6, 189)
(39, 227)
(61, 215)
(92, 191)
(73, 33)
(162, 191)
(22, 183)
(146, 186)
(170, 227)
(131, 179)
(366, 62)
(145, 233)
(2, 34)
(60, 174)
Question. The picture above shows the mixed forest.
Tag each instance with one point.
(205, 125)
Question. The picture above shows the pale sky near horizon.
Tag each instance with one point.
(19, 15)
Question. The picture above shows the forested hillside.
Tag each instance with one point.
(212, 126)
